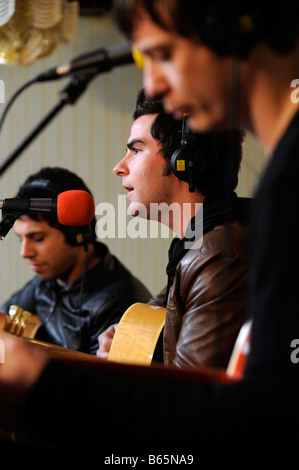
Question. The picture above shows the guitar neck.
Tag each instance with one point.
(25, 326)
(19, 322)
(53, 351)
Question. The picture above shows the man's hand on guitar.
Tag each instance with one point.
(105, 340)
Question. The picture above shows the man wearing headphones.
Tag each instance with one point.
(192, 178)
(80, 288)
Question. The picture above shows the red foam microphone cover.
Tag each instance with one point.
(75, 208)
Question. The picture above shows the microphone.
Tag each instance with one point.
(100, 60)
(74, 207)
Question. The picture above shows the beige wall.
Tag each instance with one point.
(88, 138)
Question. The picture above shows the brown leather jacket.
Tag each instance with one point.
(207, 301)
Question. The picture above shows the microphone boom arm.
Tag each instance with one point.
(7, 223)
(14, 208)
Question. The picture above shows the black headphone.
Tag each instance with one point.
(231, 29)
(75, 236)
(188, 160)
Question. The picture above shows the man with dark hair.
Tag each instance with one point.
(206, 291)
(79, 288)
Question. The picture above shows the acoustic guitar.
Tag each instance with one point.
(137, 334)
(134, 342)
(139, 329)
(25, 325)
(19, 322)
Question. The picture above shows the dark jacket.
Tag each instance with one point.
(73, 319)
(206, 303)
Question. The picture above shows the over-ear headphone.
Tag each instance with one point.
(230, 28)
(188, 160)
(75, 236)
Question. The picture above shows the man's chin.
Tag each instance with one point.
(207, 122)
(44, 277)
(137, 209)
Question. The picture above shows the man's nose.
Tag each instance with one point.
(121, 168)
(26, 250)
(154, 79)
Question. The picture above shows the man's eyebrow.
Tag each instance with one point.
(158, 48)
(133, 142)
(34, 233)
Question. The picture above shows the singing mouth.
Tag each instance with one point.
(129, 189)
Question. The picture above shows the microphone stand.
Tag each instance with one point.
(69, 95)
(7, 223)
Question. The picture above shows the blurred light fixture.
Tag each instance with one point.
(7, 9)
(31, 29)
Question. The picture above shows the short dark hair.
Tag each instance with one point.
(226, 26)
(223, 149)
(49, 182)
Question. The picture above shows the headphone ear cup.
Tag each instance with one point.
(77, 236)
(178, 164)
(237, 29)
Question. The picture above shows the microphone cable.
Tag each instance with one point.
(83, 65)
(12, 100)
(69, 95)
(82, 339)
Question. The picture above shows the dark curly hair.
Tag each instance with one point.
(228, 27)
(49, 182)
(222, 150)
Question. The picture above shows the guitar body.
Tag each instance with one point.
(137, 334)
